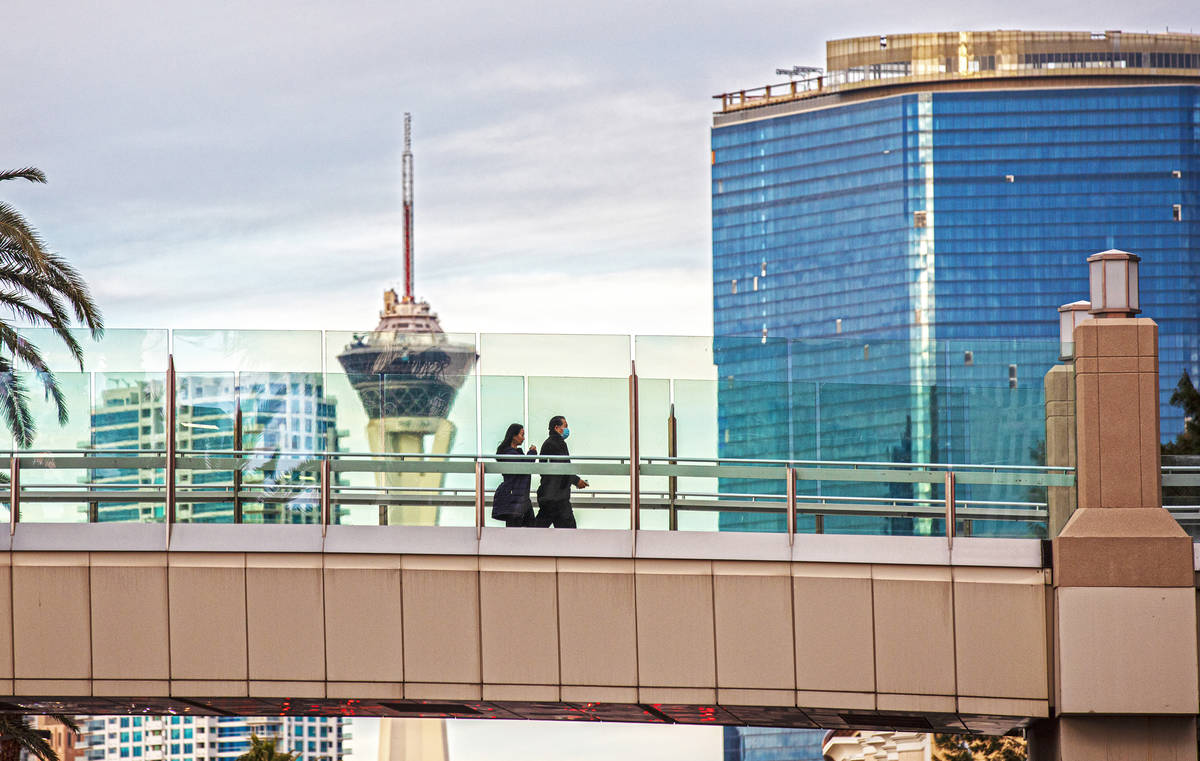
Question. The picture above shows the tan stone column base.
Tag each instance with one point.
(1114, 738)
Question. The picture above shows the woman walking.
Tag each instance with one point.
(511, 502)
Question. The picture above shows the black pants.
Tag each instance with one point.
(555, 513)
(521, 521)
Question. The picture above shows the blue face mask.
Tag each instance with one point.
(566, 432)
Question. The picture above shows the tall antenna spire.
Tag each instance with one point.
(406, 163)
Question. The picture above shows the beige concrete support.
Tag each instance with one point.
(1060, 442)
(1126, 666)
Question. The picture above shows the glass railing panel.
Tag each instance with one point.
(207, 425)
(117, 350)
(426, 416)
(128, 415)
(48, 490)
(350, 408)
(247, 350)
(676, 357)
(597, 414)
(530, 354)
(1181, 490)
(502, 403)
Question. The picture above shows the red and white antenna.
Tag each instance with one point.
(406, 164)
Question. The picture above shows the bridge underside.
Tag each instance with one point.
(757, 716)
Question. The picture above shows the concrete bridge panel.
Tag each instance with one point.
(834, 616)
(914, 631)
(364, 639)
(754, 639)
(597, 629)
(441, 625)
(129, 617)
(675, 629)
(6, 624)
(285, 619)
(1000, 632)
(51, 618)
(208, 618)
(519, 624)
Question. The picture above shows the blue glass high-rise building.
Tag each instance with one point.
(891, 239)
(772, 744)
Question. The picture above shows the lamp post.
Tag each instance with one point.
(1069, 316)
(1113, 276)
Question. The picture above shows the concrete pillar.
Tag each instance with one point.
(1060, 442)
(1126, 676)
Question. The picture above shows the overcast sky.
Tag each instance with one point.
(236, 164)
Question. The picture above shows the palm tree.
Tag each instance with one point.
(17, 735)
(260, 750)
(41, 289)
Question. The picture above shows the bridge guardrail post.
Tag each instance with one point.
(326, 491)
(950, 509)
(791, 505)
(169, 474)
(672, 481)
(635, 517)
(479, 494)
(14, 490)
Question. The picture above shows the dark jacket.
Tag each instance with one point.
(512, 495)
(555, 488)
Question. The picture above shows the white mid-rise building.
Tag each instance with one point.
(206, 738)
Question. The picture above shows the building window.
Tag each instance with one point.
(1177, 212)
(920, 218)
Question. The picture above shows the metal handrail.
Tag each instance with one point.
(307, 483)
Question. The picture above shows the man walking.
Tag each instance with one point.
(554, 493)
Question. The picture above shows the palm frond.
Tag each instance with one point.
(31, 173)
(14, 405)
(29, 354)
(16, 728)
(67, 721)
(13, 227)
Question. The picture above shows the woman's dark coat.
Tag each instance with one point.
(512, 496)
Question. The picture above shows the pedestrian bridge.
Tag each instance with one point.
(825, 630)
(301, 612)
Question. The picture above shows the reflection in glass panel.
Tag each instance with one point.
(51, 432)
(128, 415)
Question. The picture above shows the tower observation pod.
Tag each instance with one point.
(407, 373)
